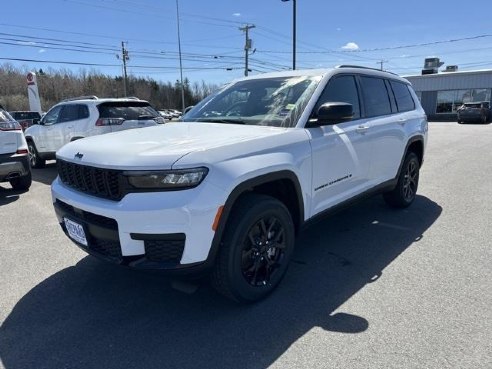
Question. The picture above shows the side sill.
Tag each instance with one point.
(383, 187)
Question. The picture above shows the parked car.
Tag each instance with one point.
(227, 190)
(474, 112)
(82, 117)
(26, 118)
(14, 156)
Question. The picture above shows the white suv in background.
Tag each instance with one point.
(73, 119)
(14, 159)
(227, 189)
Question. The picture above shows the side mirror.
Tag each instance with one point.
(188, 108)
(333, 113)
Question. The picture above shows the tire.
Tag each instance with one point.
(21, 183)
(36, 161)
(405, 191)
(484, 119)
(256, 247)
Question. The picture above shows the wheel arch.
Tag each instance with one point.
(282, 185)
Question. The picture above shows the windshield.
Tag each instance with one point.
(276, 102)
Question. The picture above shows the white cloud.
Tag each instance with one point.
(41, 51)
(29, 43)
(339, 29)
(236, 14)
(351, 46)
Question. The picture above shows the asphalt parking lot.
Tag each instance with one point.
(369, 287)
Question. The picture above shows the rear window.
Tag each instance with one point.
(26, 115)
(471, 105)
(127, 110)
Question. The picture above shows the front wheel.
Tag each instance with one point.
(257, 245)
(405, 191)
(36, 161)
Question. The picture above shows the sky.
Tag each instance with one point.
(86, 35)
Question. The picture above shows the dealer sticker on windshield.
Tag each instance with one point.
(75, 231)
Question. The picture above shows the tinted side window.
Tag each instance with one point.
(341, 89)
(83, 112)
(69, 113)
(376, 99)
(403, 97)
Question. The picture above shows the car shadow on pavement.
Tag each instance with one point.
(93, 315)
(9, 195)
(47, 174)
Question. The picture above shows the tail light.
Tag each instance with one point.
(109, 122)
(10, 126)
(22, 151)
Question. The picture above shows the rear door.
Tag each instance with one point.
(387, 127)
(73, 122)
(121, 115)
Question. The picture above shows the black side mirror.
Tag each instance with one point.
(333, 113)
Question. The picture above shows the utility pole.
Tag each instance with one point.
(247, 45)
(381, 62)
(124, 57)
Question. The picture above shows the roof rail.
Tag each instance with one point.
(131, 98)
(361, 67)
(91, 97)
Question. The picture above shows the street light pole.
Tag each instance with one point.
(294, 15)
(180, 62)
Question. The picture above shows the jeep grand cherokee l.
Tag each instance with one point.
(226, 190)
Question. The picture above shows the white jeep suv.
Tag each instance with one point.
(227, 189)
(85, 116)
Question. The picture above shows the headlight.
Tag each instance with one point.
(167, 179)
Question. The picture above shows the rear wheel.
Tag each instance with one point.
(36, 161)
(21, 183)
(408, 180)
(257, 245)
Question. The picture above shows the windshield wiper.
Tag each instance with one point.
(220, 120)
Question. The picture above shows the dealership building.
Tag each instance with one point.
(442, 93)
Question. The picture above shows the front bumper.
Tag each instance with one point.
(165, 231)
(13, 165)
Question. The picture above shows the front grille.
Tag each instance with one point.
(164, 250)
(105, 183)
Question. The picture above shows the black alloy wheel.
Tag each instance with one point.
(405, 191)
(263, 251)
(256, 247)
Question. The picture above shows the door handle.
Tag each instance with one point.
(402, 121)
(362, 129)
(70, 127)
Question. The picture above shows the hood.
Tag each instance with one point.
(161, 146)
